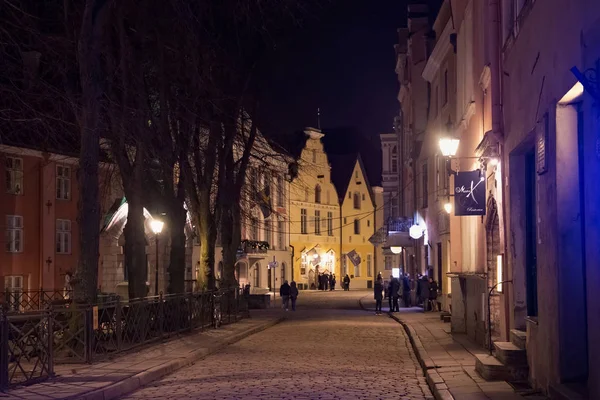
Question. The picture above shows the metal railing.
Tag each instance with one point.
(29, 300)
(32, 342)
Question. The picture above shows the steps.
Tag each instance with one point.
(445, 316)
(509, 362)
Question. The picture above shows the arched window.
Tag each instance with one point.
(357, 201)
(394, 159)
(318, 194)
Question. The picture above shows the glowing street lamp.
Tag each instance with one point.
(448, 207)
(449, 146)
(396, 249)
(415, 232)
(157, 226)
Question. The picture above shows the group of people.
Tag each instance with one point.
(326, 281)
(288, 292)
(400, 288)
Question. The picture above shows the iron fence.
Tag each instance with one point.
(17, 300)
(32, 342)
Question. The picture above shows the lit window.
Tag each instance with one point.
(14, 175)
(14, 233)
(63, 182)
(63, 236)
(13, 292)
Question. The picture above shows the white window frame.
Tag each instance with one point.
(13, 288)
(63, 236)
(14, 234)
(63, 182)
(14, 175)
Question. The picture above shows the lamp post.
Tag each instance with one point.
(156, 225)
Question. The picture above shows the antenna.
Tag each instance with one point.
(319, 118)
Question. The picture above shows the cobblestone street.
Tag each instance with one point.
(328, 349)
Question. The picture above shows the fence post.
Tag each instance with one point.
(3, 350)
(118, 323)
(50, 348)
(88, 335)
(161, 313)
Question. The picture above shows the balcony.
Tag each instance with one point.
(399, 224)
(254, 248)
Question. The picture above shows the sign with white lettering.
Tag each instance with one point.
(469, 193)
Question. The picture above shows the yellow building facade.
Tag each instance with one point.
(320, 235)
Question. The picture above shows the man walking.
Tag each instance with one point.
(284, 292)
(378, 293)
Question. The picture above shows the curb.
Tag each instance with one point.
(436, 383)
(141, 379)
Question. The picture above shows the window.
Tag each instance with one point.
(13, 288)
(349, 195)
(330, 223)
(314, 156)
(369, 267)
(318, 194)
(256, 275)
(317, 222)
(14, 175)
(267, 237)
(280, 191)
(303, 265)
(253, 228)
(357, 271)
(357, 226)
(303, 222)
(63, 182)
(368, 223)
(445, 93)
(356, 201)
(14, 233)
(425, 192)
(345, 220)
(363, 197)
(63, 236)
(394, 159)
(344, 265)
(280, 235)
(388, 263)
(306, 194)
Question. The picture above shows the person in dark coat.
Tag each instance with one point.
(433, 289)
(284, 292)
(325, 281)
(293, 294)
(395, 294)
(347, 282)
(388, 292)
(378, 294)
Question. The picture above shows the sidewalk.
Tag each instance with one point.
(448, 360)
(129, 371)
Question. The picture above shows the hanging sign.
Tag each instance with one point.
(354, 257)
(469, 193)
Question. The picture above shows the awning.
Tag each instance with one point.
(379, 237)
(399, 239)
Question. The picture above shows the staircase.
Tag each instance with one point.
(510, 360)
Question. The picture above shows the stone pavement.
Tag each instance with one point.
(327, 349)
(127, 372)
(447, 359)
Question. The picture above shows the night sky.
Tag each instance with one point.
(341, 61)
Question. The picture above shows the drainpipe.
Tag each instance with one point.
(342, 258)
(293, 252)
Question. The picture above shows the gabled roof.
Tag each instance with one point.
(342, 167)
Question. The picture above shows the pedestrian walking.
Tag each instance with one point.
(347, 283)
(284, 292)
(395, 294)
(433, 289)
(325, 281)
(293, 294)
(378, 294)
(388, 291)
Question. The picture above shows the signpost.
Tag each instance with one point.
(272, 265)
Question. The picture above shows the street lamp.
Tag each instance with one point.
(448, 207)
(396, 249)
(449, 146)
(156, 225)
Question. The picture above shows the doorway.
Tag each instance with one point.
(531, 234)
(440, 276)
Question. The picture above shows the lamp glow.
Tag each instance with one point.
(448, 207)
(494, 161)
(396, 249)
(449, 146)
(157, 226)
(499, 273)
(415, 232)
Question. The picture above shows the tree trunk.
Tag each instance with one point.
(91, 75)
(206, 277)
(177, 219)
(230, 239)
